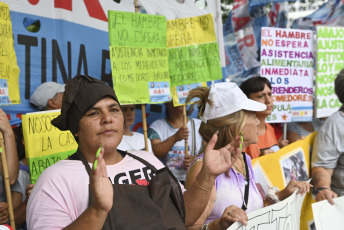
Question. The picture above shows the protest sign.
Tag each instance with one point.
(193, 54)
(290, 162)
(330, 61)
(44, 143)
(328, 216)
(9, 70)
(138, 55)
(283, 215)
(287, 61)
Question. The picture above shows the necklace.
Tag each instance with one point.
(243, 166)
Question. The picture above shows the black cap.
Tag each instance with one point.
(81, 93)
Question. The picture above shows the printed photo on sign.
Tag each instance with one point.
(183, 90)
(159, 91)
(176, 157)
(262, 180)
(294, 166)
(4, 98)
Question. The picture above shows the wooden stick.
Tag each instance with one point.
(144, 122)
(136, 7)
(185, 124)
(7, 181)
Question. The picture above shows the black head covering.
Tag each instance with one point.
(81, 93)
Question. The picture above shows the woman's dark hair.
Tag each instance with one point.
(254, 85)
(339, 86)
(18, 134)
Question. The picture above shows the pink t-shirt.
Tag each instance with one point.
(61, 193)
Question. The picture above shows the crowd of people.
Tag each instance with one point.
(209, 184)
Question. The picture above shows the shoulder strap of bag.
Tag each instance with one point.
(247, 186)
(151, 167)
(193, 147)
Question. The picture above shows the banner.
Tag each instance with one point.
(193, 54)
(330, 61)
(44, 143)
(9, 70)
(290, 162)
(283, 215)
(287, 61)
(56, 40)
(138, 55)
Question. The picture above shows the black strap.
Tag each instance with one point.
(341, 108)
(247, 186)
(193, 147)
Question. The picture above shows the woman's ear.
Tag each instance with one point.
(52, 104)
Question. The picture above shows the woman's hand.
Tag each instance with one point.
(101, 187)
(219, 161)
(293, 185)
(28, 190)
(188, 160)
(231, 215)
(282, 142)
(3, 213)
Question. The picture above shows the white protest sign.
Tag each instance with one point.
(287, 61)
(327, 216)
(284, 215)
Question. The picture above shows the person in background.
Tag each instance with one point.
(122, 190)
(300, 130)
(259, 89)
(225, 108)
(132, 140)
(12, 164)
(168, 140)
(48, 96)
(328, 152)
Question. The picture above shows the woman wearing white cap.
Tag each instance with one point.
(226, 109)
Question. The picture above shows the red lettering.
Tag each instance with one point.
(93, 7)
(246, 41)
(240, 22)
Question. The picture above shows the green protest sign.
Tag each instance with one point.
(135, 29)
(330, 61)
(139, 59)
(195, 63)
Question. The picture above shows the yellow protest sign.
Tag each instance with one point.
(44, 143)
(193, 55)
(190, 31)
(291, 162)
(9, 70)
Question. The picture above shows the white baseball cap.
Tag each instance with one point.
(228, 98)
(45, 92)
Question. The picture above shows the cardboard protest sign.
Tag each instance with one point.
(330, 61)
(287, 61)
(290, 162)
(193, 54)
(9, 70)
(282, 215)
(44, 143)
(138, 55)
